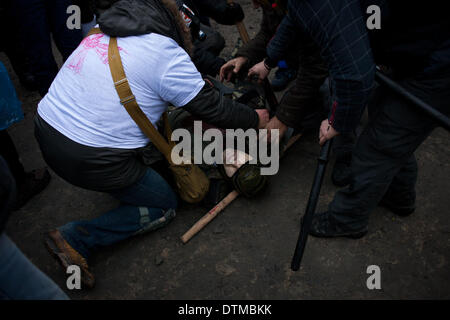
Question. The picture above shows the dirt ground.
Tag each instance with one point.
(245, 252)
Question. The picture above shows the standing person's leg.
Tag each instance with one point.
(14, 48)
(28, 184)
(147, 205)
(20, 279)
(9, 152)
(400, 198)
(342, 149)
(382, 158)
(66, 40)
(343, 146)
(35, 32)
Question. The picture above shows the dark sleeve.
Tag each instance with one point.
(345, 48)
(220, 111)
(255, 49)
(279, 45)
(206, 62)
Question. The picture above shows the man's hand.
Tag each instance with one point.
(232, 67)
(275, 123)
(263, 115)
(327, 132)
(260, 70)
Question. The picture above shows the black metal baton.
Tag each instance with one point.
(311, 206)
(443, 120)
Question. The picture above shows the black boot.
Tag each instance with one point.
(324, 227)
(33, 183)
(402, 206)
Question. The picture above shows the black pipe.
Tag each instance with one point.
(443, 120)
(311, 206)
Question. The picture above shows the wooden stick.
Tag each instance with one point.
(243, 32)
(241, 28)
(200, 224)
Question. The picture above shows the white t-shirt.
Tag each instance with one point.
(83, 104)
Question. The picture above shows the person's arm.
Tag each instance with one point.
(338, 27)
(277, 48)
(182, 85)
(255, 49)
(220, 111)
(206, 62)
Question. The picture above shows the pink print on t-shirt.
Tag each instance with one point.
(92, 42)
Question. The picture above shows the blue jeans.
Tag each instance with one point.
(37, 20)
(146, 205)
(22, 280)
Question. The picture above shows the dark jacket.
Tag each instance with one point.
(413, 39)
(255, 49)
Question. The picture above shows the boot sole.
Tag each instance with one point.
(401, 212)
(351, 236)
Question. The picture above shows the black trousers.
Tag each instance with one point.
(39, 21)
(9, 153)
(383, 160)
(206, 53)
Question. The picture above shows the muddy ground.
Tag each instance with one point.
(245, 252)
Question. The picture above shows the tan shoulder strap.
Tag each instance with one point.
(128, 100)
(94, 31)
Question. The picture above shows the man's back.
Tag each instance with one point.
(83, 105)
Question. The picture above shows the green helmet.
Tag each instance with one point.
(247, 180)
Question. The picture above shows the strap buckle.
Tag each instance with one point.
(120, 82)
(124, 82)
(127, 99)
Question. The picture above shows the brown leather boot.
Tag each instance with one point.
(66, 255)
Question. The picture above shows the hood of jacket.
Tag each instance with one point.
(123, 18)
